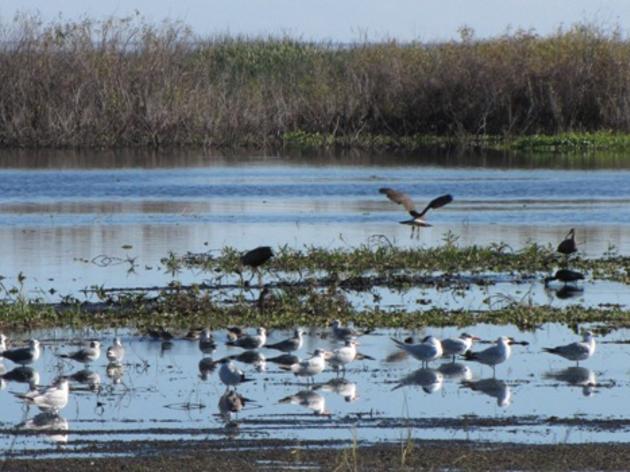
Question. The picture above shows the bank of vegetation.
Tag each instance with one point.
(123, 82)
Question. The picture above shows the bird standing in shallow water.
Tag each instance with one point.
(23, 355)
(568, 246)
(565, 276)
(403, 199)
(85, 355)
(458, 346)
(116, 352)
(291, 344)
(255, 341)
(577, 351)
(428, 350)
(255, 258)
(493, 355)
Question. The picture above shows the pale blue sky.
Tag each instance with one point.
(348, 20)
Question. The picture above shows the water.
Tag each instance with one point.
(59, 210)
(160, 394)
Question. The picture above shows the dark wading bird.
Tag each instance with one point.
(568, 246)
(416, 222)
(255, 258)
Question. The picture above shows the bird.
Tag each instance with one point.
(257, 257)
(457, 346)
(231, 375)
(116, 352)
(3, 342)
(308, 399)
(309, 367)
(53, 398)
(567, 246)
(492, 387)
(85, 355)
(343, 355)
(255, 341)
(344, 332)
(426, 351)
(493, 355)
(291, 344)
(206, 342)
(404, 200)
(231, 402)
(577, 351)
(23, 355)
(431, 380)
(565, 275)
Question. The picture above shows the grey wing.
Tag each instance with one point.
(400, 198)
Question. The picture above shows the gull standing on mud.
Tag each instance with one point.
(85, 355)
(255, 341)
(403, 199)
(309, 367)
(23, 355)
(231, 375)
(493, 355)
(116, 352)
(428, 350)
(577, 351)
(458, 346)
(53, 398)
(291, 344)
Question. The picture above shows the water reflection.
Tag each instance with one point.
(308, 399)
(53, 424)
(492, 387)
(23, 374)
(576, 376)
(206, 366)
(455, 371)
(231, 402)
(115, 372)
(87, 377)
(341, 386)
(431, 380)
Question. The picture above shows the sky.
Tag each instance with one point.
(344, 20)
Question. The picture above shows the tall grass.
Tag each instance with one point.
(123, 82)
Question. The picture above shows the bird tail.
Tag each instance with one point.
(551, 350)
(64, 356)
(286, 399)
(362, 357)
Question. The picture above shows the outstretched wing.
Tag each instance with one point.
(400, 198)
(435, 203)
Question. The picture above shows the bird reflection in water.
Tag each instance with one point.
(455, 371)
(577, 377)
(52, 424)
(308, 399)
(87, 377)
(115, 372)
(492, 387)
(430, 380)
(341, 386)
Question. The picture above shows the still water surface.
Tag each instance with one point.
(58, 210)
(159, 394)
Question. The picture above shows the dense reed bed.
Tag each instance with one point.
(124, 82)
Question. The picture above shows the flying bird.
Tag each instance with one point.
(417, 221)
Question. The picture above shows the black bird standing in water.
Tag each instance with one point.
(404, 200)
(255, 258)
(567, 246)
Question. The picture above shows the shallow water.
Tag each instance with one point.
(59, 211)
(538, 397)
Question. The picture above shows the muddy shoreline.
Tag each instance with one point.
(289, 455)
